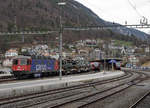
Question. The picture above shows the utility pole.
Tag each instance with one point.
(60, 39)
(104, 63)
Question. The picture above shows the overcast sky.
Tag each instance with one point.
(120, 10)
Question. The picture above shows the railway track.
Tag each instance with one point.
(7, 79)
(84, 101)
(138, 102)
(34, 100)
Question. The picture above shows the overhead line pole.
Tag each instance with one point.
(60, 39)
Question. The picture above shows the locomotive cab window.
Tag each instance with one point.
(23, 62)
(28, 62)
(15, 62)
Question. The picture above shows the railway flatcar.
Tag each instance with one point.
(75, 66)
(69, 66)
(24, 66)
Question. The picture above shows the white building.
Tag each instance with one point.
(96, 54)
(7, 63)
(134, 60)
(147, 49)
(11, 53)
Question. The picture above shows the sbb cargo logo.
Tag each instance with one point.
(40, 67)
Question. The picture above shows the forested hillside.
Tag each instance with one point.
(43, 15)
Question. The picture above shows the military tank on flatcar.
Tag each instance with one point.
(75, 66)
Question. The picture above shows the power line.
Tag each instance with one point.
(81, 28)
(100, 9)
(86, 28)
(143, 19)
(135, 9)
(28, 33)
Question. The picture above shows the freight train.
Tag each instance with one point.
(26, 66)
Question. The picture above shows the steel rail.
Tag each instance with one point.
(7, 80)
(140, 100)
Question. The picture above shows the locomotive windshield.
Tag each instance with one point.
(15, 62)
(23, 62)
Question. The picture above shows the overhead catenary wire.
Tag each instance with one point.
(76, 28)
(143, 19)
(28, 33)
(135, 9)
(103, 13)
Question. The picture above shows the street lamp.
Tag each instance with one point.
(60, 39)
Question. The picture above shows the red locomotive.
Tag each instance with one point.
(24, 66)
(21, 64)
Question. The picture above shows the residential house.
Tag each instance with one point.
(11, 53)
